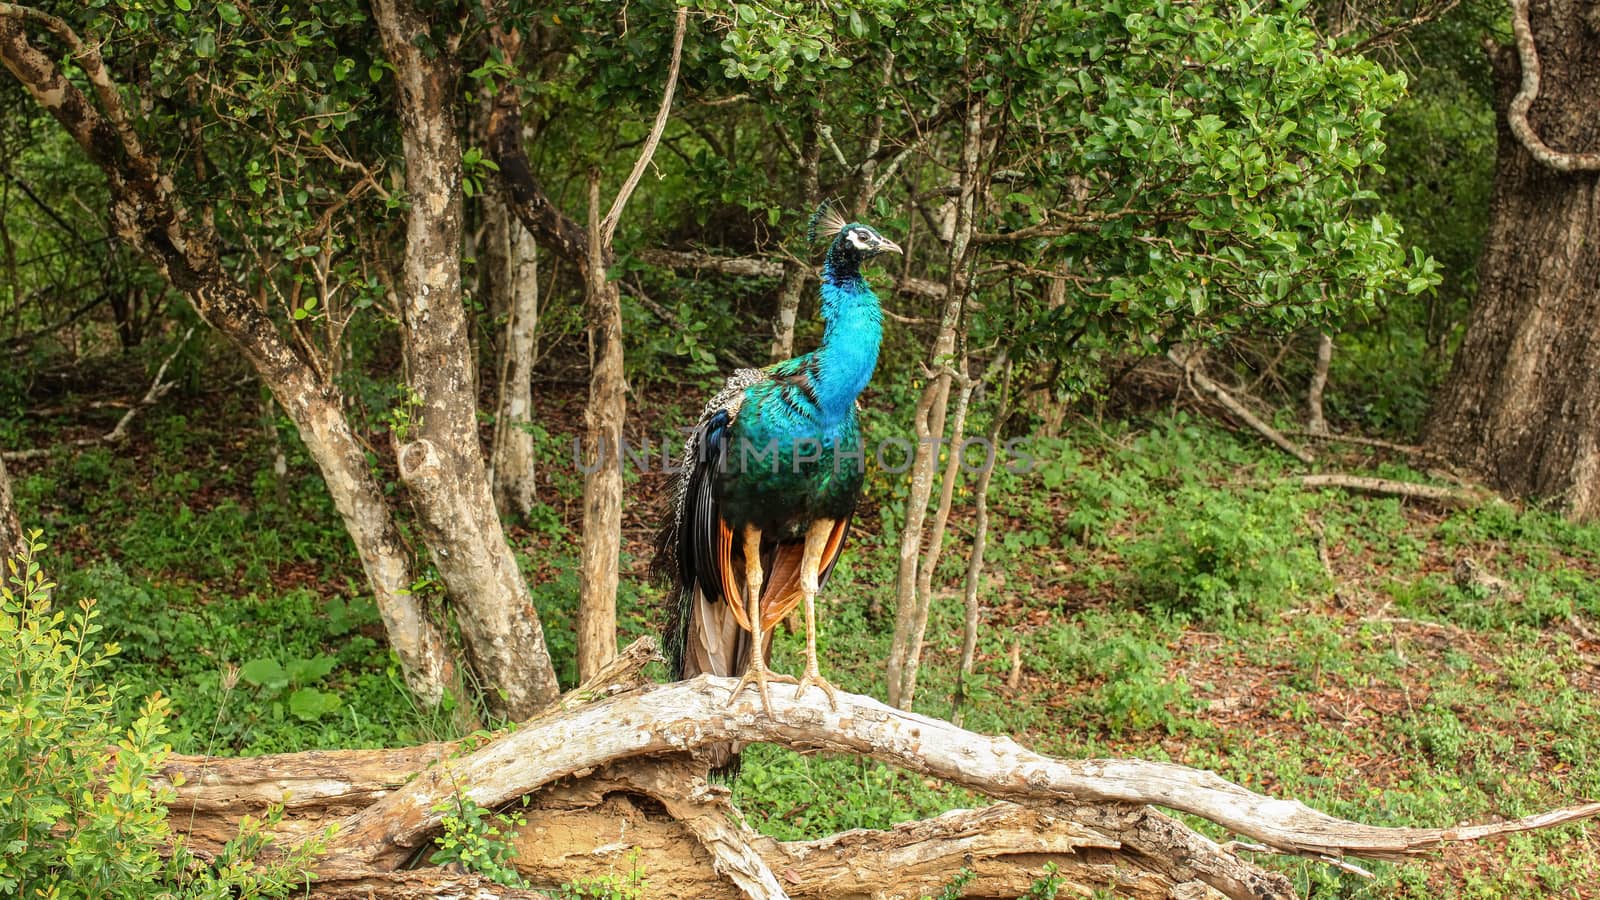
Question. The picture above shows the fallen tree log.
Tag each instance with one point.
(1465, 496)
(618, 776)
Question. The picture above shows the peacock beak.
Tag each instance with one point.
(890, 247)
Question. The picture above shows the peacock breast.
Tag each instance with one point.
(780, 472)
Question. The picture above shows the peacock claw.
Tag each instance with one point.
(761, 676)
(814, 677)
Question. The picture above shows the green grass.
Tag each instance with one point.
(1163, 579)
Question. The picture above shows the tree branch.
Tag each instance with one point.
(762, 267)
(692, 715)
(525, 196)
(608, 226)
(119, 433)
(1450, 496)
(1221, 395)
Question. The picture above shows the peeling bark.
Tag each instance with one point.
(442, 464)
(1088, 815)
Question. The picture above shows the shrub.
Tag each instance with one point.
(80, 816)
(62, 832)
(1219, 556)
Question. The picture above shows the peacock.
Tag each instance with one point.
(770, 478)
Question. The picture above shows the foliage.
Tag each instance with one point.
(1225, 555)
(1152, 173)
(1044, 887)
(953, 888)
(80, 815)
(475, 839)
(57, 729)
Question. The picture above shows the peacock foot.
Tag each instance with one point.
(761, 676)
(813, 676)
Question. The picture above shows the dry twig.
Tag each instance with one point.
(158, 389)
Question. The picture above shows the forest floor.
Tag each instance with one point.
(1159, 588)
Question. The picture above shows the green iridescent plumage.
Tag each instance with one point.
(770, 479)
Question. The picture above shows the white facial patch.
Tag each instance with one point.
(858, 241)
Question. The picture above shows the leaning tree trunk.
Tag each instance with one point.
(150, 218)
(1521, 406)
(441, 461)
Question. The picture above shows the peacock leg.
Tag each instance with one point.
(810, 567)
(758, 671)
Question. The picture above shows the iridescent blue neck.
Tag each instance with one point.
(853, 329)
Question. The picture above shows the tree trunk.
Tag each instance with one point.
(511, 455)
(602, 480)
(147, 216)
(12, 541)
(928, 419)
(591, 249)
(935, 539)
(1521, 406)
(980, 538)
(794, 271)
(442, 462)
(1316, 422)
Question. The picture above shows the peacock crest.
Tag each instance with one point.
(826, 222)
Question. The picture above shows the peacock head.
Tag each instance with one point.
(851, 242)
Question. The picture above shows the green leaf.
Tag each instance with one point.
(302, 671)
(310, 704)
(229, 13)
(265, 673)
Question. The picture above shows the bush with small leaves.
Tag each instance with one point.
(80, 816)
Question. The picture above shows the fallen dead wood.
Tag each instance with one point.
(588, 765)
(1449, 496)
(1203, 383)
(422, 884)
(764, 267)
(691, 715)
(119, 432)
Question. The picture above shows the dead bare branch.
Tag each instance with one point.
(158, 389)
(1450, 496)
(608, 226)
(763, 267)
(688, 716)
(1200, 380)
